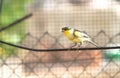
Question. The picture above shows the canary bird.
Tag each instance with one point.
(76, 36)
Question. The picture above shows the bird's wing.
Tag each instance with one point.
(81, 34)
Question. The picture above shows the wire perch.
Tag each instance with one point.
(64, 49)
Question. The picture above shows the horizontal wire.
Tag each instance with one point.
(64, 49)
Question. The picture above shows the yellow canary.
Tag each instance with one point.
(76, 36)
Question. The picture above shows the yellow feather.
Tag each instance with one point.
(71, 37)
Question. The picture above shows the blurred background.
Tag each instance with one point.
(99, 18)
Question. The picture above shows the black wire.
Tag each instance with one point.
(15, 22)
(51, 50)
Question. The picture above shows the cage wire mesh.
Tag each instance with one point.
(99, 18)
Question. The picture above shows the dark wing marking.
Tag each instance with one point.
(83, 34)
(75, 32)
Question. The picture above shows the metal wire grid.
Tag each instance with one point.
(60, 64)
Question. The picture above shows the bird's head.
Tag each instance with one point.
(65, 29)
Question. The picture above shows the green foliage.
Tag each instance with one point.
(11, 11)
(113, 54)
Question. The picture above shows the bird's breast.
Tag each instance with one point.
(71, 37)
(68, 34)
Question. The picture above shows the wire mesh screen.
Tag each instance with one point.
(37, 48)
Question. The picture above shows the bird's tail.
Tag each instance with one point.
(93, 43)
